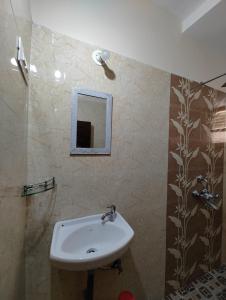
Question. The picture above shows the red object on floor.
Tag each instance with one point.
(126, 296)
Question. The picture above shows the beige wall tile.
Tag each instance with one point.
(134, 177)
(224, 212)
(13, 154)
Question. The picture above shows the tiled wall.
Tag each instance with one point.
(134, 177)
(224, 208)
(13, 138)
(195, 147)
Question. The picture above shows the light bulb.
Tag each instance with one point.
(100, 56)
(57, 74)
(13, 61)
(33, 68)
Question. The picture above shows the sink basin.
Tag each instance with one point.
(87, 243)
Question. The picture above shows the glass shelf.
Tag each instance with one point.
(33, 189)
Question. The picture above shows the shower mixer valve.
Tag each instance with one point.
(210, 199)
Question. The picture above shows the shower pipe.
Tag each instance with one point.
(210, 80)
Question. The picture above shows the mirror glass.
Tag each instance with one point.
(91, 122)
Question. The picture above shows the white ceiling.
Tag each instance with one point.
(211, 28)
(185, 37)
(181, 8)
(203, 20)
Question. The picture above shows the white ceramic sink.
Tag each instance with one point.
(87, 243)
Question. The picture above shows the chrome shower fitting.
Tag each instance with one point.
(210, 199)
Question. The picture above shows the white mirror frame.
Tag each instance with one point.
(74, 113)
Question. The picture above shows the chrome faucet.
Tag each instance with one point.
(110, 215)
(210, 199)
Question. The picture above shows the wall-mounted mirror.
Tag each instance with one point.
(91, 122)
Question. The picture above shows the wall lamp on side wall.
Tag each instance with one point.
(100, 57)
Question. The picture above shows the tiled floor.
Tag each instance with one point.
(211, 285)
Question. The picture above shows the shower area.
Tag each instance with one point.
(195, 188)
(165, 173)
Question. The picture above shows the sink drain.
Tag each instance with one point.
(91, 250)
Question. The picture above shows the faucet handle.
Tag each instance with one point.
(112, 208)
(203, 180)
(195, 193)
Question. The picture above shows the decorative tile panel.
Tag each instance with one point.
(195, 148)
